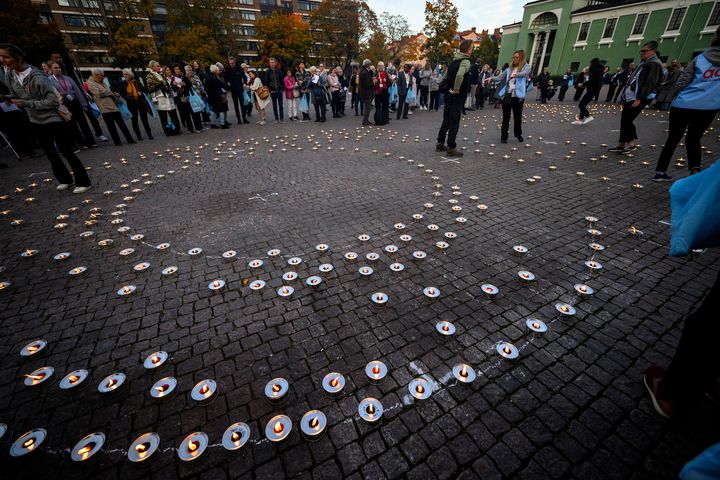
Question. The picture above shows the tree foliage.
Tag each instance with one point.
(196, 43)
(20, 24)
(128, 49)
(215, 16)
(340, 27)
(487, 52)
(285, 37)
(374, 48)
(440, 28)
(396, 30)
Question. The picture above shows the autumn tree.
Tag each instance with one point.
(374, 48)
(196, 43)
(396, 30)
(440, 28)
(214, 16)
(340, 27)
(128, 49)
(487, 52)
(20, 24)
(285, 37)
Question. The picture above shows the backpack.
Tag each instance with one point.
(379, 118)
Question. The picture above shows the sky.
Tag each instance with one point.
(483, 14)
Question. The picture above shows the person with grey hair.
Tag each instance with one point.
(273, 80)
(366, 88)
(73, 97)
(109, 104)
(133, 92)
(162, 96)
(217, 93)
(382, 95)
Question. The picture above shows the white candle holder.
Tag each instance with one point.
(442, 245)
(314, 281)
(294, 261)
(333, 383)
(445, 328)
(192, 446)
(236, 436)
(464, 373)
(62, 256)
(399, 226)
(112, 383)
(583, 290)
(275, 252)
(536, 325)
(33, 348)
(431, 292)
(216, 285)
(155, 360)
(29, 253)
(194, 252)
(363, 237)
(169, 270)
(419, 255)
(285, 291)
(276, 390)
(597, 247)
(433, 228)
(87, 447)
(4, 285)
(397, 267)
(632, 230)
(593, 232)
(162, 246)
(565, 309)
(593, 265)
(380, 299)
(490, 290)
(28, 442)
(142, 267)
(39, 376)
(143, 447)
(205, 391)
(164, 388)
(313, 425)
(391, 248)
(137, 237)
(526, 276)
(405, 237)
(520, 249)
(420, 388)
(365, 271)
(350, 256)
(126, 290)
(372, 256)
(376, 371)
(370, 410)
(257, 263)
(322, 247)
(74, 379)
(278, 428)
(229, 255)
(290, 276)
(126, 252)
(507, 350)
(257, 285)
(325, 268)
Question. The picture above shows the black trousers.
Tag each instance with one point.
(188, 117)
(320, 108)
(366, 108)
(696, 123)
(628, 132)
(423, 95)
(237, 99)
(611, 92)
(94, 122)
(277, 103)
(434, 100)
(586, 99)
(113, 120)
(335, 103)
(480, 97)
(514, 106)
(173, 129)
(402, 109)
(578, 93)
(695, 366)
(139, 112)
(543, 93)
(452, 112)
(563, 91)
(16, 127)
(58, 133)
(382, 103)
(79, 125)
(356, 103)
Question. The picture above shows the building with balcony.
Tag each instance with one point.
(569, 33)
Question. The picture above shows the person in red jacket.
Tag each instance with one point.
(382, 96)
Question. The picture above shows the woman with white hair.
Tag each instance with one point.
(162, 95)
(109, 104)
(133, 92)
(217, 95)
(317, 85)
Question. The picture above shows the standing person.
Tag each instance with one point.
(292, 95)
(317, 86)
(582, 79)
(197, 85)
(668, 86)
(543, 80)
(425, 75)
(217, 93)
(404, 84)
(474, 78)
(592, 86)
(303, 79)
(73, 97)
(186, 89)
(568, 79)
(382, 96)
(134, 95)
(367, 90)
(31, 90)
(622, 81)
(693, 110)
(108, 103)
(512, 94)
(355, 100)
(481, 91)
(249, 106)
(343, 91)
(434, 90)
(614, 81)
(256, 87)
(456, 87)
(235, 79)
(199, 71)
(334, 88)
(274, 82)
(162, 95)
(638, 92)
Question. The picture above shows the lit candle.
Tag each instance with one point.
(420, 388)
(28, 442)
(192, 446)
(370, 410)
(464, 373)
(278, 428)
(236, 436)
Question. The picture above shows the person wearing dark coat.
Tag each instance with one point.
(404, 83)
(217, 92)
(235, 78)
(133, 92)
(593, 84)
(543, 80)
(366, 89)
(622, 80)
(273, 80)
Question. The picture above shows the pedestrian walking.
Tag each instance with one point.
(593, 84)
(235, 79)
(543, 80)
(512, 94)
(455, 85)
(217, 94)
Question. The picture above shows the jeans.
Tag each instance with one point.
(57, 133)
(586, 99)
(277, 103)
(113, 119)
(451, 119)
(139, 112)
(237, 99)
(357, 104)
(219, 118)
(628, 132)
(515, 105)
(695, 366)
(292, 106)
(696, 122)
(434, 100)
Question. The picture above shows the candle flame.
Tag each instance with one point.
(234, 436)
(142, 447)
(85, 451)
(278, 427)
(463, 371)
(488, 289)
(370, 409)
(536, 325)
(376, 370)
(111, 383)
(29, 443)
(193, 446)
(506, 349)
(314, 422)
(36, 378)
(276, 388)
(334, 382)
(446, 327)
(126, 289)
(420, 389)
(379, 297)
(29, 253)
(73, 378)
(582, 288)
(216, 284)
(32, 348)
(155, 359)
(204, 389)
(162, 387)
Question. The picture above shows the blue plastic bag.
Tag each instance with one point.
(695, 203)
(94, 109)
(705, 466)
(410, 97)
(304, 105)
(393, 93)
(246, 98)
(150, 106)
(124, 111)
(196, 103)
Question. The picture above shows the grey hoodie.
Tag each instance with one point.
(686, 78)
(40, 98)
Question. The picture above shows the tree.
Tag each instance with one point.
(396, 30)
(340, 27)
(440, 28)
(196, 43)
(20, 24)
(487, 52)
(127, 48)
(285, 37)
(375, 49)
(216, 16)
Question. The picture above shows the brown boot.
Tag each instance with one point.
(440, 147)
(454, 152)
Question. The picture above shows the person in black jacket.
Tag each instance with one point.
(404, 81)
(622, 81)
(592, 88)
(543, 80)
(235, 78)
(456, 86)
(366, 89)
(274, 81)
(133, 92)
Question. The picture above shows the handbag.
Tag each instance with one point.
(64, 113)
(125, 111)
(196, 103)
(393, 92)
(263, 92)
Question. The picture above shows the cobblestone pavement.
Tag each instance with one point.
(571, 405)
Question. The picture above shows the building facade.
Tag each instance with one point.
(569, 33)
(84, 25)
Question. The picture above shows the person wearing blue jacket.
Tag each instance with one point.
(693, 110)
(512, 94)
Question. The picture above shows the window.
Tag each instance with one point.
(609, 28)
(245, 2)
(306, 6)
(83, 21)
(574, 66)
(45, 18)
(158, 27)
(93, 58)
(246, 15)
(583, 33)
(78, 3)
(714, 19)
(247, 31)
(90, 39)
(160, 10)
(640, 22)
(676, 19)
(547, 19)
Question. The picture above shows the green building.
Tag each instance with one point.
(569, 33)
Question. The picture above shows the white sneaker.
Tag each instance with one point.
(578, 122)
(63, 186)
(587, 120)
(102, 138)
(261, 122)
(81, 189)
